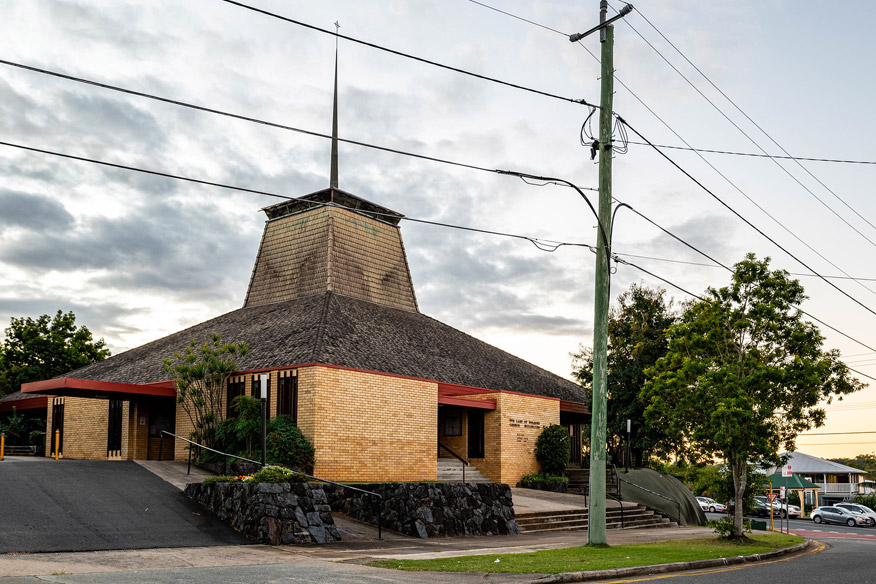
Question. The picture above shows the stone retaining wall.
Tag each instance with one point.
(431, 509)
(274, 514)
(286, 513)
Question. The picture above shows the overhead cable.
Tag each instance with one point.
(756, 125)
(406, 55)
(747, 222)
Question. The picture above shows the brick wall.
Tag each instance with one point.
(85, 428)
(521, 418)
(368, 427)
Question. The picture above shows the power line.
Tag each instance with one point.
(542, 244)
(727, 179)
(837, 433)
(704, 254)
(704, 265)
(519, 17)
(849, 276)
(765, 133)
(755, 154)
(746, 221)
(238, 116)
(744, 133)
(407, 55)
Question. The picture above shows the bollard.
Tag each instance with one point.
(57, 439)
(2, 444)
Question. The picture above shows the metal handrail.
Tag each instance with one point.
(343, 486)
(621, 503)
(465, 463)
(658, 494)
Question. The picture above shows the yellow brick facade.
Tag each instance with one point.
(364, 426)
(369, 427)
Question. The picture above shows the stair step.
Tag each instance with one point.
(634, 517)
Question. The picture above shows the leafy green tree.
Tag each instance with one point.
(636, 340)
(45, 347)
(744, 374)
(201, 373)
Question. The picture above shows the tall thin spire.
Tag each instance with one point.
(333, 181)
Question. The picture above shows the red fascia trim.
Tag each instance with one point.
(483, 404)
(25, 403)
(163, 389)
(444, 389)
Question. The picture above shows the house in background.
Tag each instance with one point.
(381, 390)
(836, 482)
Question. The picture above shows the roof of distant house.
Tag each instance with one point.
(805, 464)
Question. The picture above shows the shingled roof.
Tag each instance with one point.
(333, 329)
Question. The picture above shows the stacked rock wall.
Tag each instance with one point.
(431, 509)
(286, 513)
(270, 513)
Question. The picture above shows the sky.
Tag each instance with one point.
(139, 256)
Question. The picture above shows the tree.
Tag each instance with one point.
(201, 373)
(744, 374)
(46, 347)
(636, 340)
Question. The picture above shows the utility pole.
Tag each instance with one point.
(602, 292)
(596, 515)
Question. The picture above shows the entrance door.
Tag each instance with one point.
(162, 416)
(475, 433)
(57, 424)
(114, 429)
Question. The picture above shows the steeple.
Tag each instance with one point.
(333, 181)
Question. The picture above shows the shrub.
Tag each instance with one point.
(552, 449)
(543, 478)
(724, 526)
(221, 479)
(287, 445)
(277, 474)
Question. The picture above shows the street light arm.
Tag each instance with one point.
(580, 35)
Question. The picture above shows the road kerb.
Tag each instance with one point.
(673, 567)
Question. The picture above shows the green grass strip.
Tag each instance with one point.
(599, 558)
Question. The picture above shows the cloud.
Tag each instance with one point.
(33, 212)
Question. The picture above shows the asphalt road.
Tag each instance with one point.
(67, 505)
(808, 526)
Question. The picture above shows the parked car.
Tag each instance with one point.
(709, 504)
(839, 515)
(860, 510)
(778, 507)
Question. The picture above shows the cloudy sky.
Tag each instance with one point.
(137, 256)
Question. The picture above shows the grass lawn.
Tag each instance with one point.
(594, 558)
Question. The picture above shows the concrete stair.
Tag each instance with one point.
(635, 517)
(450, 471)
(579, 481)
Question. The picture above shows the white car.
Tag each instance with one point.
(779, 507)
(708, 504)
(859, 510)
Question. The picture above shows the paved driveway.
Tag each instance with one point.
(77, 505)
